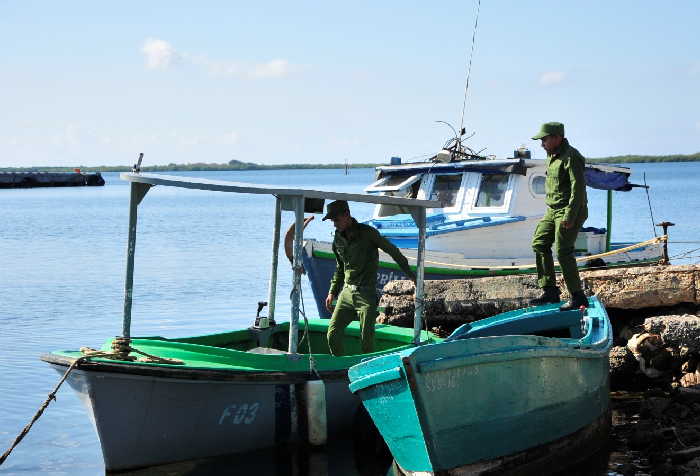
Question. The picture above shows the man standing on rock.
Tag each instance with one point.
(356, 248)
(567, 210)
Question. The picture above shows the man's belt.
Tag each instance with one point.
(357, 287)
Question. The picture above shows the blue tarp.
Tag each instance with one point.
(602, 180)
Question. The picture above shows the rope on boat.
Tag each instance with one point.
(121, 350)
(653, 241)
(302, 311)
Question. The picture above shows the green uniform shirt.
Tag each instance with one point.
(357, 257)
(566, 185)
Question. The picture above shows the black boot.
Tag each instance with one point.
(550, 295)
(577, 300)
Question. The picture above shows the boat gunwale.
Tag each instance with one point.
(144, 369)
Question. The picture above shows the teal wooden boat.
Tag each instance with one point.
(522, 392)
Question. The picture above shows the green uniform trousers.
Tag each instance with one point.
(353, 304)
(550, 231)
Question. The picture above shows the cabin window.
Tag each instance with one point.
(405, 185)
(537, 185)
(446, 189)
(492, 190)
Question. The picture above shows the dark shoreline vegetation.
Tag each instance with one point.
(238, 165)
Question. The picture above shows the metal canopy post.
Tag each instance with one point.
(272, 291)
(138, 191)
(609, 222)
(419, 217)
(296, 283)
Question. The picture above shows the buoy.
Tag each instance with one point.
(316, 412)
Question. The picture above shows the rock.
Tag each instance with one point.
(690, 380)
(457, 301)
(623, 366)
(686, 454)
(644, 287)
(676, 331)
(454, 302)
(688, 395)
(655, 406)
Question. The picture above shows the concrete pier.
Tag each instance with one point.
(49, 179)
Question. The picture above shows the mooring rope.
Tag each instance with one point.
(121, 349)
(51, 396)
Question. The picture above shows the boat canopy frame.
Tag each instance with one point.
(293, 199)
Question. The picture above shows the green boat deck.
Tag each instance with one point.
(240, 350)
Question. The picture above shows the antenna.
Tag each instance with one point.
(469, 69)
(137, 166)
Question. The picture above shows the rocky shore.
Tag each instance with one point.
(654, 377)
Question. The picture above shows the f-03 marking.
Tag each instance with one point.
(239, 413)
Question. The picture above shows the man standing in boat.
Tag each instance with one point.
(354, 282)
(567, 210)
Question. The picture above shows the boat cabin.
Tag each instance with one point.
(474, 194)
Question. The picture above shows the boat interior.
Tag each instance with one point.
(312, 339)
(548, 322)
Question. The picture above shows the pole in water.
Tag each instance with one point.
(664, 225)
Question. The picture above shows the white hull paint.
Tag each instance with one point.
(510, 240)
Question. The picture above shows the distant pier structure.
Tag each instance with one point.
(49, 179)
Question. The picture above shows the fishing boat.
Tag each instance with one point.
(489, 211)
(238, 391)
(523, 392)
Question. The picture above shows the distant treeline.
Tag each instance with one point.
(645, 158)
(238, 165)
(197, 166)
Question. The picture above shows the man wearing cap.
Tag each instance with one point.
(567, 209)
(356, 248)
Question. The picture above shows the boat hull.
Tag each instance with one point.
(224, 393)
(484, 242)
(477, 400)
(146, 420)
(541, 460)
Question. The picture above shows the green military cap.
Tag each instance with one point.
(550, 129)
(336, 208)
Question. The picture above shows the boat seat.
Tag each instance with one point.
(266, 350)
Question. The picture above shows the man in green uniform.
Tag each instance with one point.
(356, 248)
(567, 209)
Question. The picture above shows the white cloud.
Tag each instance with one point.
(159, 53)
(277, 68)
(68, 136)
(231, 138)
(550, 78)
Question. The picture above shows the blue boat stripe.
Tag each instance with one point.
(376, 378)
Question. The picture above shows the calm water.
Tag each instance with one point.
(202, 264)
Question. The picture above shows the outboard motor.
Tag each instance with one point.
(262, 322)
(522, 152)
(263, 328)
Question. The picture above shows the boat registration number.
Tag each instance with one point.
(239, 413)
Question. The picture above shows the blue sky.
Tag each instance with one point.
(91, 83)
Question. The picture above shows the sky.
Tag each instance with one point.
(271, 82)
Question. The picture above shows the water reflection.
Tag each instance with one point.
(362, 454)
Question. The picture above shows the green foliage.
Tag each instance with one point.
(238, 165)
(621, 159)
(198, 166)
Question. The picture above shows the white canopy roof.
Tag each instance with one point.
(242, 187)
